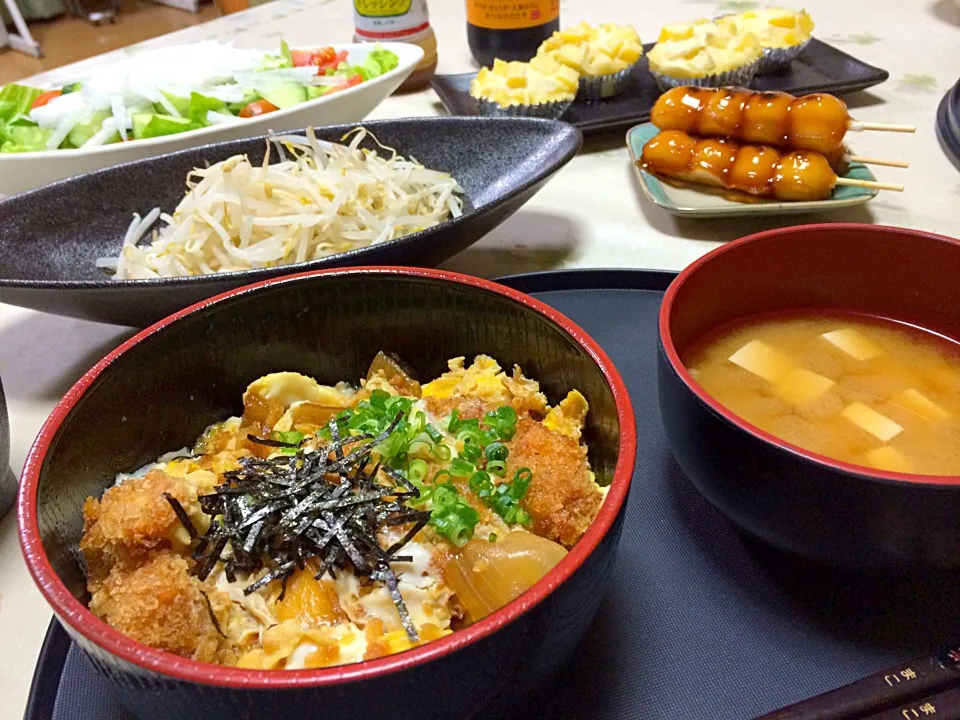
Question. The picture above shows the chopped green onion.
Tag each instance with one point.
(496, 451)
(471, 436)
(445, 496)
(502, 421)
(479, 482)
(461, 468)
(419, 422)
(505, 498)
(291, 437)
(426, 494)
(496, 467)
(419, 447)
(492, 537)
(452, 528)
(442, 452)
(470, 453)
(434, 434)
(521, 481)
(418, 471)
(454, 422)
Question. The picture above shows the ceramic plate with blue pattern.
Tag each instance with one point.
(693, 202)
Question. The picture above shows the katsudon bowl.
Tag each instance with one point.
(162, 388)
(794, 499)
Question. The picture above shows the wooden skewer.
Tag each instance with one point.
(869, 184)
(857, 126)
(877, 161)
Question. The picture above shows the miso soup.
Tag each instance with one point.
(862, 390)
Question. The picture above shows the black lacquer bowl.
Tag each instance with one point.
(51, 238)
(8, 482)
(163, 387)
(791, 498)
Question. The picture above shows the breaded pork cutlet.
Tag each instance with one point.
(130, 521)
(562, 499)
(161, 604)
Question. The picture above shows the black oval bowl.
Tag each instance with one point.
(785, 496)
(159, 390)
(8, 483)
(50, 238)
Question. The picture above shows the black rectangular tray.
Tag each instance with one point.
(698, 623)
(819, 68)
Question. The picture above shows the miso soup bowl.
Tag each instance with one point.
(796, 500)
(159, 390)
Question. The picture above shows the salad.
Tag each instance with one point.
(174, 90)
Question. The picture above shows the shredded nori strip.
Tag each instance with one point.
(213, 615)
(181, 515)
(269, 443)
(329, 505)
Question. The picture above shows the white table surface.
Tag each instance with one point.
(589, 215)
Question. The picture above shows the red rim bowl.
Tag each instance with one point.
(874, 270)
(81, 621)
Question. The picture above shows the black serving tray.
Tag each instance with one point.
(819, 68)
(698, 623)
(948, 124)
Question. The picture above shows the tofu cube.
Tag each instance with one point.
(762, 360)
(919, 404)
(801, 387)
(887, 458)
(853, 343)
(880, 426)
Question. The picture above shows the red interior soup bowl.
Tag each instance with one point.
(789, 497)
(159, 390)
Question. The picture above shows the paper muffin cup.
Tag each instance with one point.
(739, 77)
(549, 110)
(778, 59)
(602, 87)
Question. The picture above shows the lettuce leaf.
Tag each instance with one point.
(377, 62)
(16, 100)
(283, 60)
(22, 138)
(200, 105)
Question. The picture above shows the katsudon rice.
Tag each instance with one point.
(334, 524)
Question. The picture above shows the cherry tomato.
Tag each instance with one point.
(323, 56)
(258, 107)
(45, 98)
(302, 58)
(351, 82)
(327, 59)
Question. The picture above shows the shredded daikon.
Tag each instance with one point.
(321, 198)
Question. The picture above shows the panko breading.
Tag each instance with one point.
(563, 498)
(131, 520)
(468, 408)
(159, 603)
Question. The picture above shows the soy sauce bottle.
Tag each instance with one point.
(509, 29)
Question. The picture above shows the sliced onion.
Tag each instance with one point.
(486, 575)
(395, 372)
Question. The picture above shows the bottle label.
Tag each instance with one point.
(390, 19)
(511, 14)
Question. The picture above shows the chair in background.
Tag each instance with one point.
(21, 40)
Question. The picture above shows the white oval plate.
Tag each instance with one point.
(26, 171)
